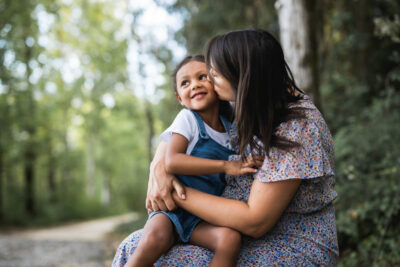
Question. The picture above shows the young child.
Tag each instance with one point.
(198, 151)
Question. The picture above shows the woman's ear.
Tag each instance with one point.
(179, 98)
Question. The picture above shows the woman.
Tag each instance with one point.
(285, 210)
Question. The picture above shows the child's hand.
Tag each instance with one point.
(239, 167)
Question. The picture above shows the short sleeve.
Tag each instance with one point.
(312, 159)
(184, 124)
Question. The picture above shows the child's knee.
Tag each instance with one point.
(158, 238)
(229, 239)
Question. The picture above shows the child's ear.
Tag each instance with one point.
(179, 98)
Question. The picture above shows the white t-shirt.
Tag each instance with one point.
(185, 124)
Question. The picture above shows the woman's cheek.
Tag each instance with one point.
(219, 92)
(225, 93)
(225, 96)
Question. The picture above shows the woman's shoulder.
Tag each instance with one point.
(310, 121)
(314, 155)
(310, 131)
(305, 105)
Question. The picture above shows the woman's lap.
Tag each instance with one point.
(253, 253)
(178, 255)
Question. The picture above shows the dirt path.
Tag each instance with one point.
(78, 244)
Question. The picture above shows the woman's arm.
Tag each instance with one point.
(266, 203)
(177, 161)
(161, 184)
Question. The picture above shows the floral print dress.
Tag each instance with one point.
(305, 235)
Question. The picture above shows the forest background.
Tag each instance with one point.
(85, 90)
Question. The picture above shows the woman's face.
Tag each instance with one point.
(222, 86)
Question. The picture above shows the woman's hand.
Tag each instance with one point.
(239, 167)
(162, 184)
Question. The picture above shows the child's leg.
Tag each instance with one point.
(224, 241)
(158, 237)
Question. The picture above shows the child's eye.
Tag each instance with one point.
(184, 83)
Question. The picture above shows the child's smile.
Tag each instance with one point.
(199, 95)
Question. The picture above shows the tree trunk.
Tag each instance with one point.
(256, 4)
(29, 181)
(150, 126)
(29, 153)
(364, 25)
(298, 39)
(313, 22)
(1, 184)
(91, 166)
(106, 187)
(51, 171)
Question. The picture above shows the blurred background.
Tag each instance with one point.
(85, 90)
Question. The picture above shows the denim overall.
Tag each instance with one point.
(205, 147)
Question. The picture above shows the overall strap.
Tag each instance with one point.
(202, 129)
(227, 126)
(226, 123)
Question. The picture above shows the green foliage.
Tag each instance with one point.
(68, 114)
(360, 87)
(368, 206)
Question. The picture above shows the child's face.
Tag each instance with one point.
(194, 90)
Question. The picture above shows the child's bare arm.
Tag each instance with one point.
(177, 161)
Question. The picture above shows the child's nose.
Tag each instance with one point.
(195, 84)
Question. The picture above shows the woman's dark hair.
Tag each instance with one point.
(253, 62)
(225, 108)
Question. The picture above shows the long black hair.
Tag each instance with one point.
(253, 62)
(225, 108)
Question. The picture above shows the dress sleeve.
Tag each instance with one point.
(183, 124)
(312, 159)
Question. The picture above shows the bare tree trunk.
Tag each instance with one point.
(256, 5)
(106, 187)
(51, 171)
(363, 26)
(29, 153)
(29, 181)
(313, 21)
(1, 184)
(298, 39)
(91, 166)
(5, 121)
(150, 126)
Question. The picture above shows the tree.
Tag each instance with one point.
(298, 39)
(59, 84)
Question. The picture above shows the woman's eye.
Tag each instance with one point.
(203, 77)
